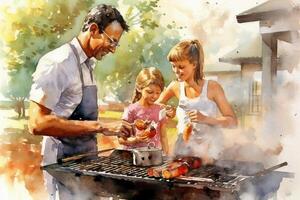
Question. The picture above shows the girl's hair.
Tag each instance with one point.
(146, 77)
(192, 51)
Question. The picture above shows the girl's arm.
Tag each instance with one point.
(164, 138)
(168, 93)
(228, 118)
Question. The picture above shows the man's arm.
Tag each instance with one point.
(42, 122)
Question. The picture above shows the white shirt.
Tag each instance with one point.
(56, 81)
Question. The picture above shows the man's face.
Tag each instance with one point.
(107, 41)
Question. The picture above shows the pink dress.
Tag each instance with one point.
(136, 111)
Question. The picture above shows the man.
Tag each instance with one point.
(63, 97)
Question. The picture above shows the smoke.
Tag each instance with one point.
(288, 114)
(272, 138)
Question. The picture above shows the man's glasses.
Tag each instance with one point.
(113, 43)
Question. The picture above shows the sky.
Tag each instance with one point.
(214, 24)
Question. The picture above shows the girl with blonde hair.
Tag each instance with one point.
(148, 87)
(200, 100)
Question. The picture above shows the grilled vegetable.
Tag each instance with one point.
(180, 169)
(179, 166)
(193, 162)
(156, 171)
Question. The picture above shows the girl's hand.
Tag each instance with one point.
(196, 116)
(142, 139)
(133, 140)
(170, 111)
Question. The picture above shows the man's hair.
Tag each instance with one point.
(103, 15)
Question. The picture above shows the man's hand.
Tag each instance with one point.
(122, 129)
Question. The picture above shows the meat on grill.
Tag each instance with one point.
(178, 169)
(193, 162)
(175, 168)
(115, 176)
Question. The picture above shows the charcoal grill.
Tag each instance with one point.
(115, 176)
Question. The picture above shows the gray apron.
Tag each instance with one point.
(60, 147)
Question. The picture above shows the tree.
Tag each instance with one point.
(146, 44)
(32, 28)
(29, 30)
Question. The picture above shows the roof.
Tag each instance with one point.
(221, 67)
(268, 10)
(248, 53)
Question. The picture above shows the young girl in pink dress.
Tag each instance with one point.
(148, 87)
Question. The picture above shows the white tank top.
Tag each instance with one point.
(201, 103)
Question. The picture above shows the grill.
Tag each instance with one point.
(114, 176)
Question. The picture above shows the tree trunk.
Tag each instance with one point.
(23, 107)
(19, 106)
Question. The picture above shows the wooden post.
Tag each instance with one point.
(274, 48)
(266, 78)
(246, 76)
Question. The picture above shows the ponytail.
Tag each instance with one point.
(197, 56)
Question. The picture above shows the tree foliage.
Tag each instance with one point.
(29, 29)
(32, 28)
(146, 44)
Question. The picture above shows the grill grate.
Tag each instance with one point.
(116, 176)
(225, 176)
(211, 176)
(113, 165)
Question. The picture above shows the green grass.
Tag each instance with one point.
(9, 119)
